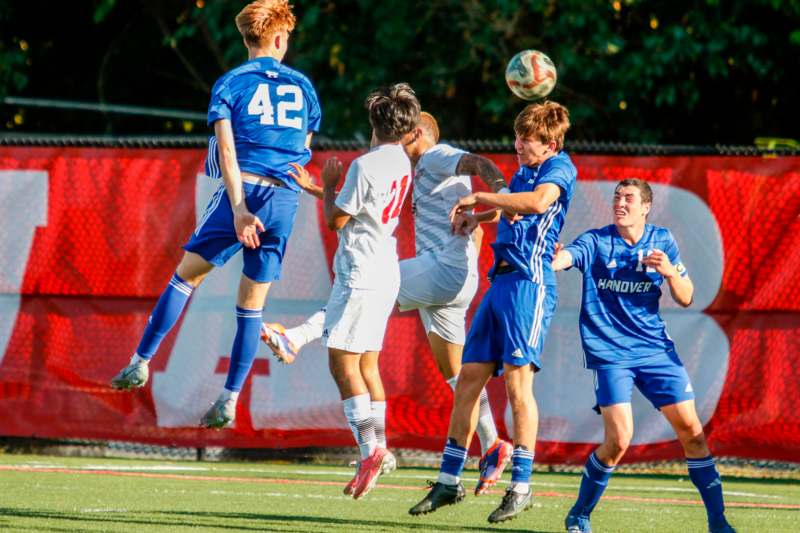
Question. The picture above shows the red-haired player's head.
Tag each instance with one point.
(265, 26)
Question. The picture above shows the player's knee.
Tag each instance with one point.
(693, 439)
(617, 445)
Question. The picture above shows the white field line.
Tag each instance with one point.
(349, 473)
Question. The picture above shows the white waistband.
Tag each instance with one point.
(263, 181)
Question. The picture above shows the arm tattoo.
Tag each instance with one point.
(486, 170)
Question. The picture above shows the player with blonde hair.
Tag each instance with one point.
(263, 114)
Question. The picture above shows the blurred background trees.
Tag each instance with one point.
(703, 72)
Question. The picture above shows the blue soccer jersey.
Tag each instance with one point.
(619, 320)
(527, 244)
(272, 108)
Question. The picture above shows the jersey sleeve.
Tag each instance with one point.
(583, 250)
(674, 255)
(353, 194)
(559, 175)
(314, 109)
(221, 103)
(442, 160)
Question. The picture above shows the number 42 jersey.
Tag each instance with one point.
(272, 109)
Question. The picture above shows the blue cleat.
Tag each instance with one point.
(721, 527)
(577, 524)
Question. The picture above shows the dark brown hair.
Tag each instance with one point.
(393, 111)
(645, 191)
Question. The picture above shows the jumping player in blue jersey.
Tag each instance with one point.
(509, 328)
(263, 114)
(625, 340)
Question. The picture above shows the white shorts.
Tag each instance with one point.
(355, 319)
(441, 292)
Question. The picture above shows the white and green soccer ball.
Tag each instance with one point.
(531, 75)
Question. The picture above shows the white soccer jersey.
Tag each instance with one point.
(436, 190)
(373, 192)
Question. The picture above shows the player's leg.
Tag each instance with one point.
(613, 390)
(188, 275)
(702, 468)
(525, 416)
(249, 304)
(286, 343)
(445, 327)
(448, 488)
(372, 378)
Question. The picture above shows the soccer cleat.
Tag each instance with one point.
(132, 376)
(513, 504)
(492, 464)
(721, 527)
(577, 524)
(348, 489)
(220, 415)
(439, 496)
(368, 471)
(274, 336)
(389, 463)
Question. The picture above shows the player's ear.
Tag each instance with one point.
(277, 42)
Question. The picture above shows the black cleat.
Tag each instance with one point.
(439, 496)
(513, 504)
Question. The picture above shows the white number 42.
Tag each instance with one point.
(261, 104)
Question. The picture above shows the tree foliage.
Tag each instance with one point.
(629, 70)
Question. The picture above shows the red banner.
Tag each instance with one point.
(91, 236)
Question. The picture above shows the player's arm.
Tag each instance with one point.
(335, 217)
(484, 168)
(465, 223)
(303, 178)
(680, 287)
(524, 203)
(247, 224)
(562, 259)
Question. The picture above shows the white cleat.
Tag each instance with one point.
(389, 463)
(274, 336)
(132, 376)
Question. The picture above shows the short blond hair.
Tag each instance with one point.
(546, 121)
(262, 18)
(428, 124)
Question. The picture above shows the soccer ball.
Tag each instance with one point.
(530, 75)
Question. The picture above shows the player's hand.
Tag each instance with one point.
(465, 203)
(661, 263)
(512, 216)
(557, 247)
(248, 226)
(331, 172)
(464, 224)
(301, 176)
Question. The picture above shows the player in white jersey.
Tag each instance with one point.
(365, 214)
(440, 281)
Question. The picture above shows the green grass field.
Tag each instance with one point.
(39, 493)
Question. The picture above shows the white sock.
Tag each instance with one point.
(226, 395)
(448, 479)
(378, 410)
(137, 359)
(486, 430)
(358, 412)
(521, 488)
(308, 331)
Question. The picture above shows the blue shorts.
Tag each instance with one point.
(511, 323)
(663, 382)
(215, 237)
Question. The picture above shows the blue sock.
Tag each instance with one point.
(245, 345)
(593, 482)
(706, 478)
(164, 315)
(521, 468)
(453, 459)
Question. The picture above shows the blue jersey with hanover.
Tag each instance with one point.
(272, 108)
(527, 244)
(619, 320)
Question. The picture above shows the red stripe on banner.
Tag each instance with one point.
(106, 239)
